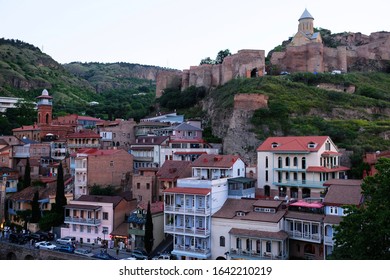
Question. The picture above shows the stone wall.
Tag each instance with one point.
(245, 63)
(358, 53)
(250, 101)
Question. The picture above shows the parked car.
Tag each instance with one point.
(37, 237)
(139, 254)
(48, 236)
(45, 245)
(162, 257)
(18, 238)
(65, 248)
(66, 240)
(103, 256)
(84, 252)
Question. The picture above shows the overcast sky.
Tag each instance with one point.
(174, 33)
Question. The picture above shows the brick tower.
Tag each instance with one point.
(45, 108)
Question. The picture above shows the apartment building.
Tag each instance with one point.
(297, 166)
(92, 218)
(100, 167)
(249, 229)
(189, 206)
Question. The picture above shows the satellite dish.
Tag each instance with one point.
(276, 197)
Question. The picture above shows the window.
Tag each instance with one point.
(81, 228)
(303, 163)
(248, 245)
(287, 160)
(138, 186)
(266, 162)
(327, 146)
(105, 215)
(268, 247)
(111, 163)
(238, 243)
(74, 227)
(222, 241)
(280, 164)
(266, 175)
(147, 186)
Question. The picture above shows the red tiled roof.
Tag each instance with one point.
(328, 153)
(293, 143)
(218, 161)
(339, 195)
(155, 207)
(280, 235)
(324, 169)
(87, 118)
(173, 169)
(200, 191)
(83, 134)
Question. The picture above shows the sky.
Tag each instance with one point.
(174, 33)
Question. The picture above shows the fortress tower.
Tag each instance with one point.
(45, 108)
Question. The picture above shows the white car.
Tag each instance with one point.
(66, 240)
(162, 257)
(45, 245)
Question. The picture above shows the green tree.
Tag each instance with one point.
(221, 56)
(365, 232)
(27, 175)
(207, 60)
(36, 211)
(60, 196)
(148, 238)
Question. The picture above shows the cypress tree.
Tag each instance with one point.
(36, 212)
(60, 194)
(148, 239)
(27, 175)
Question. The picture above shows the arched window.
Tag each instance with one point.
(222, 241)
(295, 161)
(303, 163)
(280, 162)
(287, 161)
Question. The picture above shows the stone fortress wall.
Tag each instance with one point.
(305, 53)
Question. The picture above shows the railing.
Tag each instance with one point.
(191, 249)
(199, 211)
(84, 145)
(187, 230)
(240, 253)
(314, 237)
(74, 220)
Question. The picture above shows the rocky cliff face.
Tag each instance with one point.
(234, 125)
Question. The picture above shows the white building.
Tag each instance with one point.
(249, 229)
(297, 166)
(189, 206)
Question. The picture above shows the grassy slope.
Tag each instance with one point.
(294, 98)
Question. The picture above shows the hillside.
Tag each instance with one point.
(353, 109)
(25, 71)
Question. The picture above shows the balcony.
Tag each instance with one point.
(197, 252)
(185, 210)
(255, 255)
(304, 184)
(82, 221)
(306, 236)
(201, 232)
(97, 145)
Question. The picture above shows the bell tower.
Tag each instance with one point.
(45, 108)
(306, 23)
